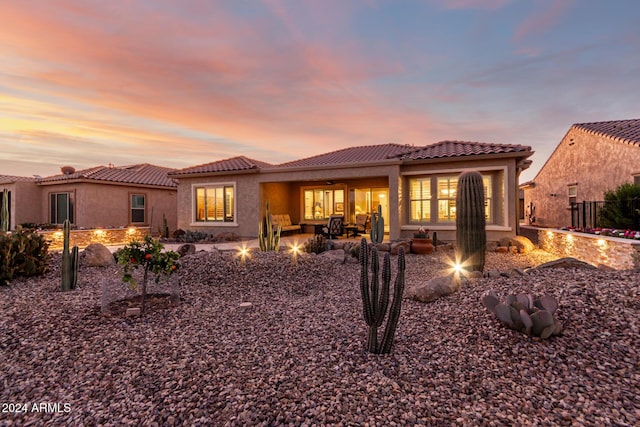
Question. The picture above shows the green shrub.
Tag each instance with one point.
(619, 210)
(193, 237)
(151, 257)
(22, 253)
(316, 244)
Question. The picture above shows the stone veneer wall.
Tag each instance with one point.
(613, 252)
(82, 238)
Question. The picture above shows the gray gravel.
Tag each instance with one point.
(297, 358)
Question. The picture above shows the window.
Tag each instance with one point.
(138, 208)
(320, 203)
(61, 208)
(420, 199)
(636, 180)
(447, 187)
(215, 203)
(573, 193)
(437, 195)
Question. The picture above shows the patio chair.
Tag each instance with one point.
(334, 227)
(362, 220)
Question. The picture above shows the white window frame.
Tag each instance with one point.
(143, 209)
(194, 201)
(506, 219)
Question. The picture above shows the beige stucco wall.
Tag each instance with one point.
(283, 189)
(594, 162)
(25, 202)
(505, 194)
(107, 205)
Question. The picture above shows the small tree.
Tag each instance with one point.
(148, 255)
(620, 207)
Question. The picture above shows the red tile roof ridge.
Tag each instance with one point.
(627, 130)
(456, 148)
(15, 178)
(237, 163)
(142, 174)
(351, 155)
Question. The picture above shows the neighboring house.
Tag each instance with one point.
(98, 197)
(591, 159)
(416, 186)
(24, 208)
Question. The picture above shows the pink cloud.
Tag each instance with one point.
(542, 19)
(218, 76)
(470, 4)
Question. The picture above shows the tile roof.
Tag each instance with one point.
(359, 155)
(462, 148)
(141, 174)
(363, 154)
(621, 130)
(7, 179)
(239, 163)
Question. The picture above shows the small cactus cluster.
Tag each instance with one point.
(69, 262)
(523, 312)
(316, 244)
(375, 298)
(268, 237)
(377, 226)
(4, 214)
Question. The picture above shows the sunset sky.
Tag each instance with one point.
(180, 83)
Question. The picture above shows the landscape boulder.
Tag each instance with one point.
(186, 249)
(96, 255)
(395, 247)
(568, 262)
(434, 288)
(523, 244)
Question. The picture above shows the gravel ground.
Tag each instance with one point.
(296, 357)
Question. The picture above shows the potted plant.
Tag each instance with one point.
(421, 242)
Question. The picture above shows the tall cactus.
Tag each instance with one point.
(377, 226)
(268, 239)
(4, 214)
(375, 301)
(69, 261)
(471, 237)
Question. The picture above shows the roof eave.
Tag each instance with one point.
(104, 182)
(387, 162)
(513, 155)
(182, 175)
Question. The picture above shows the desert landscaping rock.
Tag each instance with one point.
(435, 288)
(186, 249)
(96, 255)
(566, 263)
(297, 357)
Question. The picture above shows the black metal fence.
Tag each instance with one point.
(589, 214)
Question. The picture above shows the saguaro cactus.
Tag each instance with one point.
(377, 226)
(471, 237)
(375, 301)
(268, 238)
(69, 261)
(4, 214)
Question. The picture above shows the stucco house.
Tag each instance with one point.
(21, 209)
(415, 185)
(591, 159)
(97, 197)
